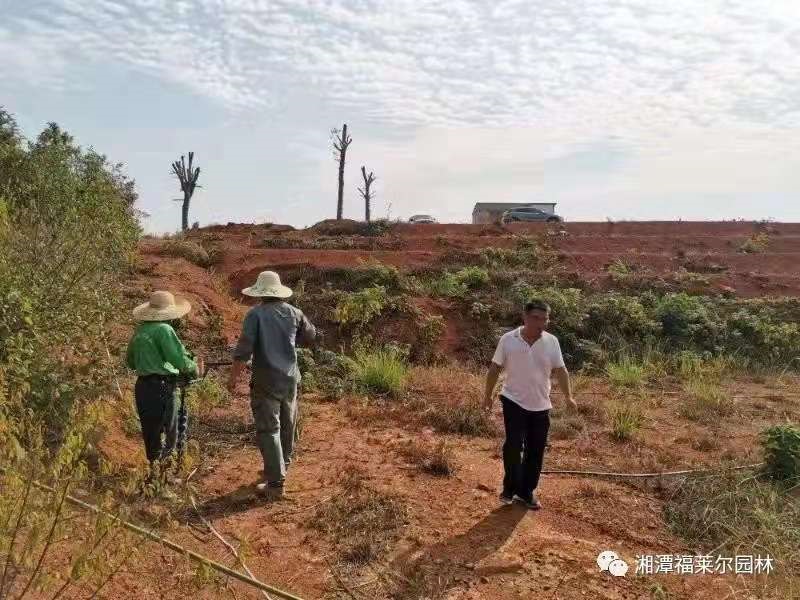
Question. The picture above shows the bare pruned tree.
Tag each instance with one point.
(188, 180)
(365, 192)
(341, 141)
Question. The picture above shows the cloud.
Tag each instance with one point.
(592, 65)
(453, 102)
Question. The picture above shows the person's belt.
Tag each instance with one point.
(160, 376)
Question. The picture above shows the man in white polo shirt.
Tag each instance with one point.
(529, 355)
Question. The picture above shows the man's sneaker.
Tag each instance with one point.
(270, 491)
(531, 503)
(506, 499)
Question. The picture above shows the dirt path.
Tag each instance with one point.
(458, 542)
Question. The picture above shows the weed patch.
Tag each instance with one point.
(180, 247)
(383, 371)
(626, 419)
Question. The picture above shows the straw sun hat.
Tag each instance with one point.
(268, 285)
(163, 306)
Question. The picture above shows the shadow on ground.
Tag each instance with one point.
(432, 571)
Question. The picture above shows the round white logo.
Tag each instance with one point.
(605, 558)
(618, 568)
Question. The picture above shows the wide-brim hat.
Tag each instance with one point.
(163, 306)
(268, 285)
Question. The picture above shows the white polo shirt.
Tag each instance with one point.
(528, 368)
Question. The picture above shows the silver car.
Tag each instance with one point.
(528, 214)
(422, 219)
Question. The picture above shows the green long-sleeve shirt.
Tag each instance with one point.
(156, 349)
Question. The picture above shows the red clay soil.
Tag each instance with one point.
(585, 248)
(457, 543)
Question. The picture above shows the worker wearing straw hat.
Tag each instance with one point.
(157, 355)
(270, 333)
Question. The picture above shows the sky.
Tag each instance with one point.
(613, 109)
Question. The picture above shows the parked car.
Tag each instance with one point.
(528, 214)
(422, 219)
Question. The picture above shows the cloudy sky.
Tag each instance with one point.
(624, 109)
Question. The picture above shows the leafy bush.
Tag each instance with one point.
(616, 319)
(619, 271)
(383, 371)
(688, 321)
(430, 329)
(473, 277)
(527, 253)
(66, 242)
(456, 285)
(359, 308)
(325, 371)
(781, 445)
(378, 228)
(753, 334)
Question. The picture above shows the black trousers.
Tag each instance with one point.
(523, 450)
(155, 403)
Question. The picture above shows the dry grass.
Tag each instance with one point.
(449, 398)
(182, 248)
(706, 401)
(626, 419)
(566, 426)
(434, 459)
(705, 443)
(588, 490)
(361, 522)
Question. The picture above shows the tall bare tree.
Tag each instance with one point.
(365, 192)
(188, 180)
(341, 141)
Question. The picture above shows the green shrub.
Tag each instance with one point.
(473, 277)
(616, 320)
(378, 228)
(688, 321)
(447, 285)
(619, 271)
(527, 253)
(781, 445)
(430, 329)
(326, 372)
(383, 371)
(458, 284)
(359, 308)
(751, 333)
(180, 247)
(67, 243)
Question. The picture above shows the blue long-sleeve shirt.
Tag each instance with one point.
(270, 334)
